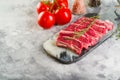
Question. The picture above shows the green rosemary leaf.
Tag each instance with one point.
(118, 32)
(83, 31)
(96, 17)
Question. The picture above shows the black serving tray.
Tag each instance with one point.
(63, 55)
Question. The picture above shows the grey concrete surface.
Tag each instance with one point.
(23, 58)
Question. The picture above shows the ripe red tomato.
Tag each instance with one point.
(46, 19)
(60, 3)
(63, 16)
(63, 3)
(41, 6)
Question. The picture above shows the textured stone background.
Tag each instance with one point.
(23, 58)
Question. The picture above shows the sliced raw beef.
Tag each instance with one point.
(83, 39)
(100, 29)
(106, 23)
(83, 33)
(93, 33)
(67, 42)
(91, 39)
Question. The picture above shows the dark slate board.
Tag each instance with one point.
(62, 54)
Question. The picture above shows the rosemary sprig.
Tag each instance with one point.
(118, 32)
(78, 34)
(83, 31)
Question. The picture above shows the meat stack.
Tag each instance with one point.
(83, 33)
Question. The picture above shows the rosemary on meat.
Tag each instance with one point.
(118, 32)
(80, 33)
(83, 31)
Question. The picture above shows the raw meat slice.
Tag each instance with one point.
(92, 33)
(77, 46)
(83, 39)
(62, 42)
(100, 29)
(91, 39)
(66, 33)
(109, 25)
(74, 45)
